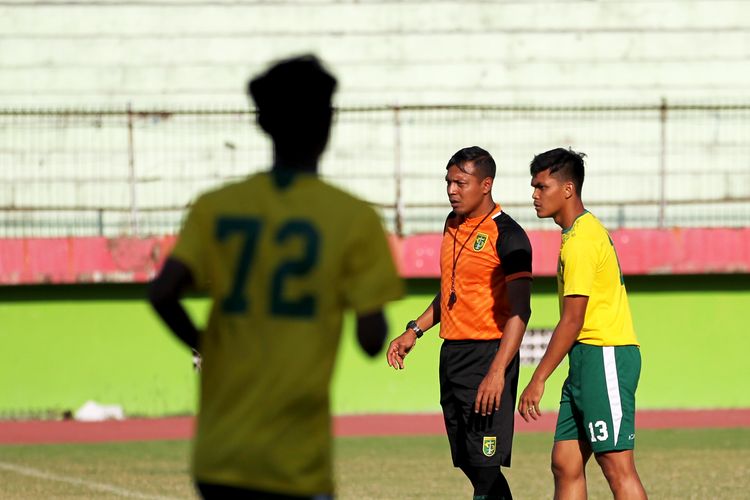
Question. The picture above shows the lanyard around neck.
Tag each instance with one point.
(452, 298)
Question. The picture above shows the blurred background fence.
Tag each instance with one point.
(116, 172)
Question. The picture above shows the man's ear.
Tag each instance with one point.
(487, 185)
(569, 189)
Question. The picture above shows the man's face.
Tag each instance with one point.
(549, 194)
(465, 190)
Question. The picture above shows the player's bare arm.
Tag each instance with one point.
(491, 388)
(563, 338)
(164, 293)
(403, 344)
(372, 329)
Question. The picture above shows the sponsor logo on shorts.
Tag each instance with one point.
(631, 437)
(489, 445)
(479, 241)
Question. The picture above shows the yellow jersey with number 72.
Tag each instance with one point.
(282, 255)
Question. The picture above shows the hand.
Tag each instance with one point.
(399, 348)
(528, 403)
(197, 361)
(489, 393)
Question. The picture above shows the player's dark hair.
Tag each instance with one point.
(293, 98)
(484, 164)
(296, 84)
(565, 164)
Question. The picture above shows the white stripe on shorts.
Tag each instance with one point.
(613, 388)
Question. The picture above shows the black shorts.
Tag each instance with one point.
(210, 491)
(475, 440)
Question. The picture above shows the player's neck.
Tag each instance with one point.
(292, 161)
(569, 213)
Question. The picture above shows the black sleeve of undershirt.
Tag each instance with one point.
(513, 247)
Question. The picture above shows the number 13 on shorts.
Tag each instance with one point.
(598, 431)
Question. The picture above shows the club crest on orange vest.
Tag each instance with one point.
(479, 241)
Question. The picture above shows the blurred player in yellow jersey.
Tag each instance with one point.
(282, 255)
(595, 331)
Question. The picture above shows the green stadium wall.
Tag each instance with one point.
(65, 345)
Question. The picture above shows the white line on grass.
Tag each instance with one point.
(28, 471)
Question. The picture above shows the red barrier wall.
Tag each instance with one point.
(641, 251)
(81, 260)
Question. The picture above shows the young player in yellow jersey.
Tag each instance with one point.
(282, 254)
(597, 407)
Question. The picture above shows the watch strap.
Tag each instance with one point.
(413, 326)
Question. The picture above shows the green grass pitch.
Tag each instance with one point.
(674, 464)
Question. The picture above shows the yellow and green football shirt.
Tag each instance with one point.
(282, 255)
(589, 266)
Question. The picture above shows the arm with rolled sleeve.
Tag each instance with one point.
(183, 270)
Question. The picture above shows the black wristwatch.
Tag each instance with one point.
(413, 325)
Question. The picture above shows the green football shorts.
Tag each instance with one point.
(598, 397)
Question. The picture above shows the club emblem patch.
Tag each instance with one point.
(489, 445)
(479, 241)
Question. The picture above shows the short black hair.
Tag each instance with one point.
(299, 83)
(566, 164)
(484, 164)
(293, 98)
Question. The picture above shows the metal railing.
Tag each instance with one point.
(132, 171)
